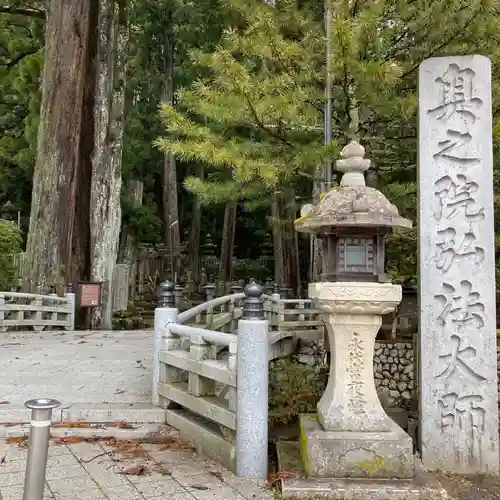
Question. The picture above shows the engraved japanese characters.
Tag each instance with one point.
(458, 399)
(355, 367)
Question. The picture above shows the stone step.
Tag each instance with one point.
(93, 430)
(89, 414)
(294, 484)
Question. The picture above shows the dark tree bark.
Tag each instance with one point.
(81, 234)
(128, 240)
(170, 202)
(227, 246)
(279, 261)
(194, 236)
(291, 242)
(59, 146)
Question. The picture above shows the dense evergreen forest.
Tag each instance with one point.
(197, 126)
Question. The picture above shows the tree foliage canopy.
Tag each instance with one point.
(249, 106)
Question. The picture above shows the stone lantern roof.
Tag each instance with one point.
(352, 204)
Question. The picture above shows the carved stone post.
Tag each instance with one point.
(352, 435)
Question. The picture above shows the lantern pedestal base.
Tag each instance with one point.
(352, 436)
(295, 485)
(363, 454)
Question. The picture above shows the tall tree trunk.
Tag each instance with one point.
(81, 234)
(291, 242)
(227, 246)
(279, 260)
(105, 218)
(194, 236)
(128, 240)
(316, 263)
(170, 204)
(49, 246)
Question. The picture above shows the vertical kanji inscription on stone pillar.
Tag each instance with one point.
(355, 368)
(458, 372)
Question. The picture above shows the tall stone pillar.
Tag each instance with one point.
(458, 361)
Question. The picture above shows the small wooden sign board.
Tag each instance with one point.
(89, 294)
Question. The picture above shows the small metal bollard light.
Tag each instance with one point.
(38, 446)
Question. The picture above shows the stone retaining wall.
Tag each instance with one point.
(393, 368)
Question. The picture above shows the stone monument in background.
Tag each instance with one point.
(458, 365)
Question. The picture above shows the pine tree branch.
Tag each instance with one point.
(287, 70)
(415, 42)
(447, 42)
(17, 11)
(262, 126)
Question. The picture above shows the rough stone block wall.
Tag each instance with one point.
(393, 368)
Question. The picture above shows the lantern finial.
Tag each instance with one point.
(352, 164)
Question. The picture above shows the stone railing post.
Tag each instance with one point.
(165, 312)
(70, 295)
(284, 291)
(209, 295)
(209, 291)
(252, 390)
(275, 307)
(52, 303)
(2, 313)
(178, 291)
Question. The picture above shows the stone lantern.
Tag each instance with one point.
(351, 436)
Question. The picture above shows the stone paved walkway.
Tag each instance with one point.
(110, 470)
(97, 376)
(100, 377)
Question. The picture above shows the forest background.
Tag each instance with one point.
(197, 125)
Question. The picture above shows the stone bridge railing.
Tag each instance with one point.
(36, 311)
(212, 375)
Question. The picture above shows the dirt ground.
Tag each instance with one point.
(471, 487)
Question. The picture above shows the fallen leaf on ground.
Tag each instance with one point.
(69, 440)
(168, 442)
(21, 441)
(73, 425)
(199, 487)
(82, 342)
(80, 439)
(4, 402)
(120, 425)
(274, 478)
(161, 469)
(139, 470)
(3, 460)
(126, 449)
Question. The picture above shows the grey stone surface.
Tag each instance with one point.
(387, 375)
(343, 454)
(87, 471)
(294, 485)
(459, 414)
(98, 376)
(252, 408)
(163, 316)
